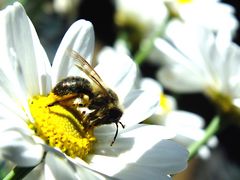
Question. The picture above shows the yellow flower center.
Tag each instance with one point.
(165, 104)
(222, 101)
(225, 105)
(59, 128)
(184, 1)
(173, 7)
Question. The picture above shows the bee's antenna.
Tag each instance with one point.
(116, 133)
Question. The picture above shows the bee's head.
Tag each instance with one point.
(114, 114)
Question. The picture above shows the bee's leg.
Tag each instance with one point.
(91, 119)
(64, 100)
(93, 116)
(77, 114)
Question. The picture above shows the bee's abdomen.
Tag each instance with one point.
(72, 85)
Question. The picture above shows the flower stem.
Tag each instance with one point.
(147, 44)
(212, 128)
(146, 48)
(18, 173)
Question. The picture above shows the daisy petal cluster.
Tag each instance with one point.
(188, 126)
(147, 15)
(141, 20)
(48, 137)
(207, 13)
(200, 61)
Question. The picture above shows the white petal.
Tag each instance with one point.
(138, 105)
(185, 136)
(84, 171)
(214, 14)
(117, 70)
(169, 54)
(151, 85)
(18, 147)
(186, 125)
(88, 173)
(8, 105)
(141, 172)
(145, 147)
(124, 143)
(183, 119)
(173, 157)
(43, 69)
(180, 73)
(76, 168)
(80, 38)
(58, 168)
(23, 55)
(232, 74)
(115, 168)
(189, 40)
(150, 14)
(179, 79)
(36, 172)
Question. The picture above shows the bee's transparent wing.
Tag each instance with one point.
(83, 65)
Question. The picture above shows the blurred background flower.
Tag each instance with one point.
(207, 13)
(187, 126)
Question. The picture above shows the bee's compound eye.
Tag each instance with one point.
(115, 114)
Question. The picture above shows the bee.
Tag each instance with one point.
(96, 104)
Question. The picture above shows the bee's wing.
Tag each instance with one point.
(83, 65)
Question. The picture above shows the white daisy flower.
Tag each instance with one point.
(187, 126)
(51, 136)
(207, 13)
(144, 17)
(197, 60)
